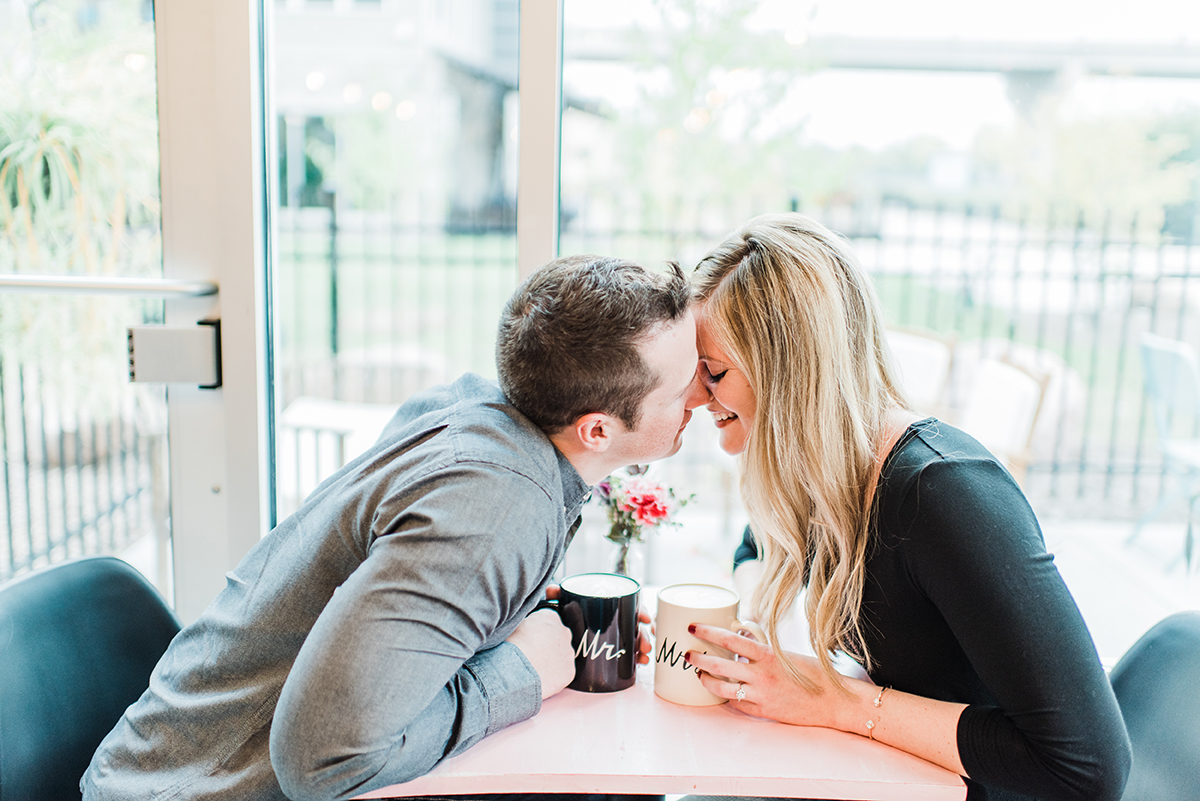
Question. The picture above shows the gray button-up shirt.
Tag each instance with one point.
(363, 640)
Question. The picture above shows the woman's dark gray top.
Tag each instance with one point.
(962, 603)
(363, 640)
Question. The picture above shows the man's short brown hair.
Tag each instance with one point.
(569, 337)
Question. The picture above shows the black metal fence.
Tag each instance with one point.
(1068, 296)
(403, 305)
(75, 479)
(372, 307)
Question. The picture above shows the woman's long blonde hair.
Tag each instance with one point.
(789, 302)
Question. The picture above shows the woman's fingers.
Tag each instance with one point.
(731, 641)
(725, 689)
(718, 666)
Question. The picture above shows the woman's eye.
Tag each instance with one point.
(709, 378)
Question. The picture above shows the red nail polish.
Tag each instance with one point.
(691, 628)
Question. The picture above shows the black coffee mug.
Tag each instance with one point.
(601, 610)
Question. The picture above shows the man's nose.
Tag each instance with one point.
(698, 394)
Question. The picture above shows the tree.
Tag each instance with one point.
(78, 177)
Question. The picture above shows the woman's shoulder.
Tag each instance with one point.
(931, 441)
(935, 464)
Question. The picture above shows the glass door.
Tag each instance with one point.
(82, 451)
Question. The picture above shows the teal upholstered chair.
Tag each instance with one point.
(78, 641)
(1156, 684)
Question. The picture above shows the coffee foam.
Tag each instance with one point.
(697, 596)
(600, 585)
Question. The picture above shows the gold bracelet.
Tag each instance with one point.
(878, 702)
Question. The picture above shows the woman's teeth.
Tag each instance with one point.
(720, 416)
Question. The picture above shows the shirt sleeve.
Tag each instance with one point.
(1055, 731)
(396, 674)
(747, 550)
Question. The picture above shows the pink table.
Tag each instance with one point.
(634, 742)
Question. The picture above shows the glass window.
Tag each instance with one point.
(1020, 178)
(396, 219)
(83, 468)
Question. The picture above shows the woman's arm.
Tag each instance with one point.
(1043, 720)
(1046, 723)
(920, 726)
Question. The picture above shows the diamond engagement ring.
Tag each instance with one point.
(741, 693)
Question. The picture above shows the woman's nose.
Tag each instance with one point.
(698, 394)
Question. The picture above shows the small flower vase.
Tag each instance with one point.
(628, 558)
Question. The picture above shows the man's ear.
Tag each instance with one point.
(595, 431)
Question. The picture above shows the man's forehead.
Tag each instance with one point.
(673, 355)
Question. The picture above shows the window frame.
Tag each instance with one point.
(216, 196)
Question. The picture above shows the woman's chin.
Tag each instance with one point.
(732, 443)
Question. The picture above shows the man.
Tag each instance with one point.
(383, 626)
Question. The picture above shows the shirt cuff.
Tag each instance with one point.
(511, 686)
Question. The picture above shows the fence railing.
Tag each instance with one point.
(402, 305)
(74, 480)
(373, 307)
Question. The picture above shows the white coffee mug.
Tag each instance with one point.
(679, 606)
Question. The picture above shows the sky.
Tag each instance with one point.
(1040, 20)
(874, 109)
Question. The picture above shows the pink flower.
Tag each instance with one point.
(635, 503)
(649, 503)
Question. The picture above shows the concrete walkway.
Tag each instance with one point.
(1123, 589)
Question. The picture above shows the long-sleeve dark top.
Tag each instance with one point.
(962, 603)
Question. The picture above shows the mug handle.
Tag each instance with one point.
(756, 630)
(551, 604)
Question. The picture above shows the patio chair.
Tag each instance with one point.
(1001, 410)
(1155, 683)
(925, 360)
(1171, 378)
(78, 641)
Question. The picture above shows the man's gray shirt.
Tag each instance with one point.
(363, 640)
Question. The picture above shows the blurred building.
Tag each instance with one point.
(437, 78)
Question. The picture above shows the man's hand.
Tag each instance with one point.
(546, 643)
(644, 645)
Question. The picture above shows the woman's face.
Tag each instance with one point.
(733, 402)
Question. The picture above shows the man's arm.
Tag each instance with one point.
(546, 644)
(395, 676)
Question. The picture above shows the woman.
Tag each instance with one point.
(919, 556)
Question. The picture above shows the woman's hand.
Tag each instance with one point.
(921, 726)
(768, 690)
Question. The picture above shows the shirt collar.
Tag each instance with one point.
(574, 489)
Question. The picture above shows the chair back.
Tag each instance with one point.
(1156, 687)
(1171, 376)
(78, 641)
(1001, 410)
(925, 360)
